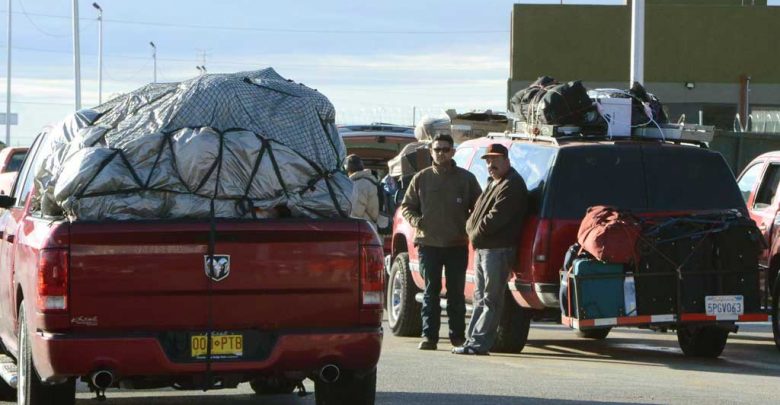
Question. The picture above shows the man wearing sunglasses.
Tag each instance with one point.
(437, 204)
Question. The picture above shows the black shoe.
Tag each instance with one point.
(457, 341)
(427, 345)
(468, 350)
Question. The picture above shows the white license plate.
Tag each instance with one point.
(727, 307)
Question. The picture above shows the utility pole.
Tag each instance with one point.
(154, 58)
(100, 52)
(76, 54)
(637, 42)
(8, 84)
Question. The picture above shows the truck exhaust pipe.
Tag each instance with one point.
(330, 373)
(102, 379)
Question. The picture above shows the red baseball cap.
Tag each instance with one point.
(496, 149)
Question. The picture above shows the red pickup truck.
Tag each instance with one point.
(133, 304)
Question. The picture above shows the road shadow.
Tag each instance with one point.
(382, 398)
(739, 357)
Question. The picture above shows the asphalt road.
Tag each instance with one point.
(556, 367)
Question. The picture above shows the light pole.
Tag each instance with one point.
(637, 42)
(100, 52)
(154, 57)
(8, 84)
(76, 54)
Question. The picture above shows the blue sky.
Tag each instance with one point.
(374, 60)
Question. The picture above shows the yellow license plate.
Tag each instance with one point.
(221, 345)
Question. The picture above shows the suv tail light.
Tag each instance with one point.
(371, 276)
(53, 280)
(541, 249)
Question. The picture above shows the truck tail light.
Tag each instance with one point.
(541, 249)
(53, 280)
(371, 276)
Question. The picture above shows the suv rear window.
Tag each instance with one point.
(641, 178)
(596, 175)
(686, 178)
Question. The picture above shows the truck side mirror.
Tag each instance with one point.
(7, 201)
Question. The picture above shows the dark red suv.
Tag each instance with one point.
(565, 176)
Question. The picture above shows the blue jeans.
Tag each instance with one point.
(453, 260)
(491, 268)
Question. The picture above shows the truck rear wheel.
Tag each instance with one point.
(702, 341)
(31, 390)
(403, 311)
(351, 388)
(597, 334)
(776, 313)
(513, 327)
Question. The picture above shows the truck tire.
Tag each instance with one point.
(513, 328)
(776, 312)
(403, 311)
(273, 386)
(597, 334)
(702, 341)
(351, 388)
(31, 390)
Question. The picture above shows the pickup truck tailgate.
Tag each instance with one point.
(148, 276)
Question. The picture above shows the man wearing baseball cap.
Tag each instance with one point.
(493, 229)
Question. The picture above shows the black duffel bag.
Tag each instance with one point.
(523, 103)
(565, 104)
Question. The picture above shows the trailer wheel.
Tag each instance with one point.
(776, 312)
(513, 328)
(597, 334)
(403, 311)
(702, 341)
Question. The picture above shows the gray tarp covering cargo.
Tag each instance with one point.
(413, 158)
(429, 127)
(253, 143)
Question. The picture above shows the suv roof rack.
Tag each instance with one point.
(524, 136)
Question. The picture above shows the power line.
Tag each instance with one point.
(284, 30)
(245, 64)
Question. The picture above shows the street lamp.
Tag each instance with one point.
(154, 57)
(8, 84)
(76, 54)
(201, 69)
(100, 52)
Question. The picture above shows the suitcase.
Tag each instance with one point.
(602, 295)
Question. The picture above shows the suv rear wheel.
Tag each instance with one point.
(403, 311)
(702, 341)
(31, 390)
(351, 388)
(513, 327)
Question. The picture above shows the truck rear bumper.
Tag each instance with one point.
(60, 355)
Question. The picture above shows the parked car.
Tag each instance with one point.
(758, 183)
(565, 176)
(131, 303)
(11, 159)
(376, 144)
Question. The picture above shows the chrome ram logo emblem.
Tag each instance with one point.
(218, 268)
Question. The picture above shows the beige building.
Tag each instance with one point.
(713, 56)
